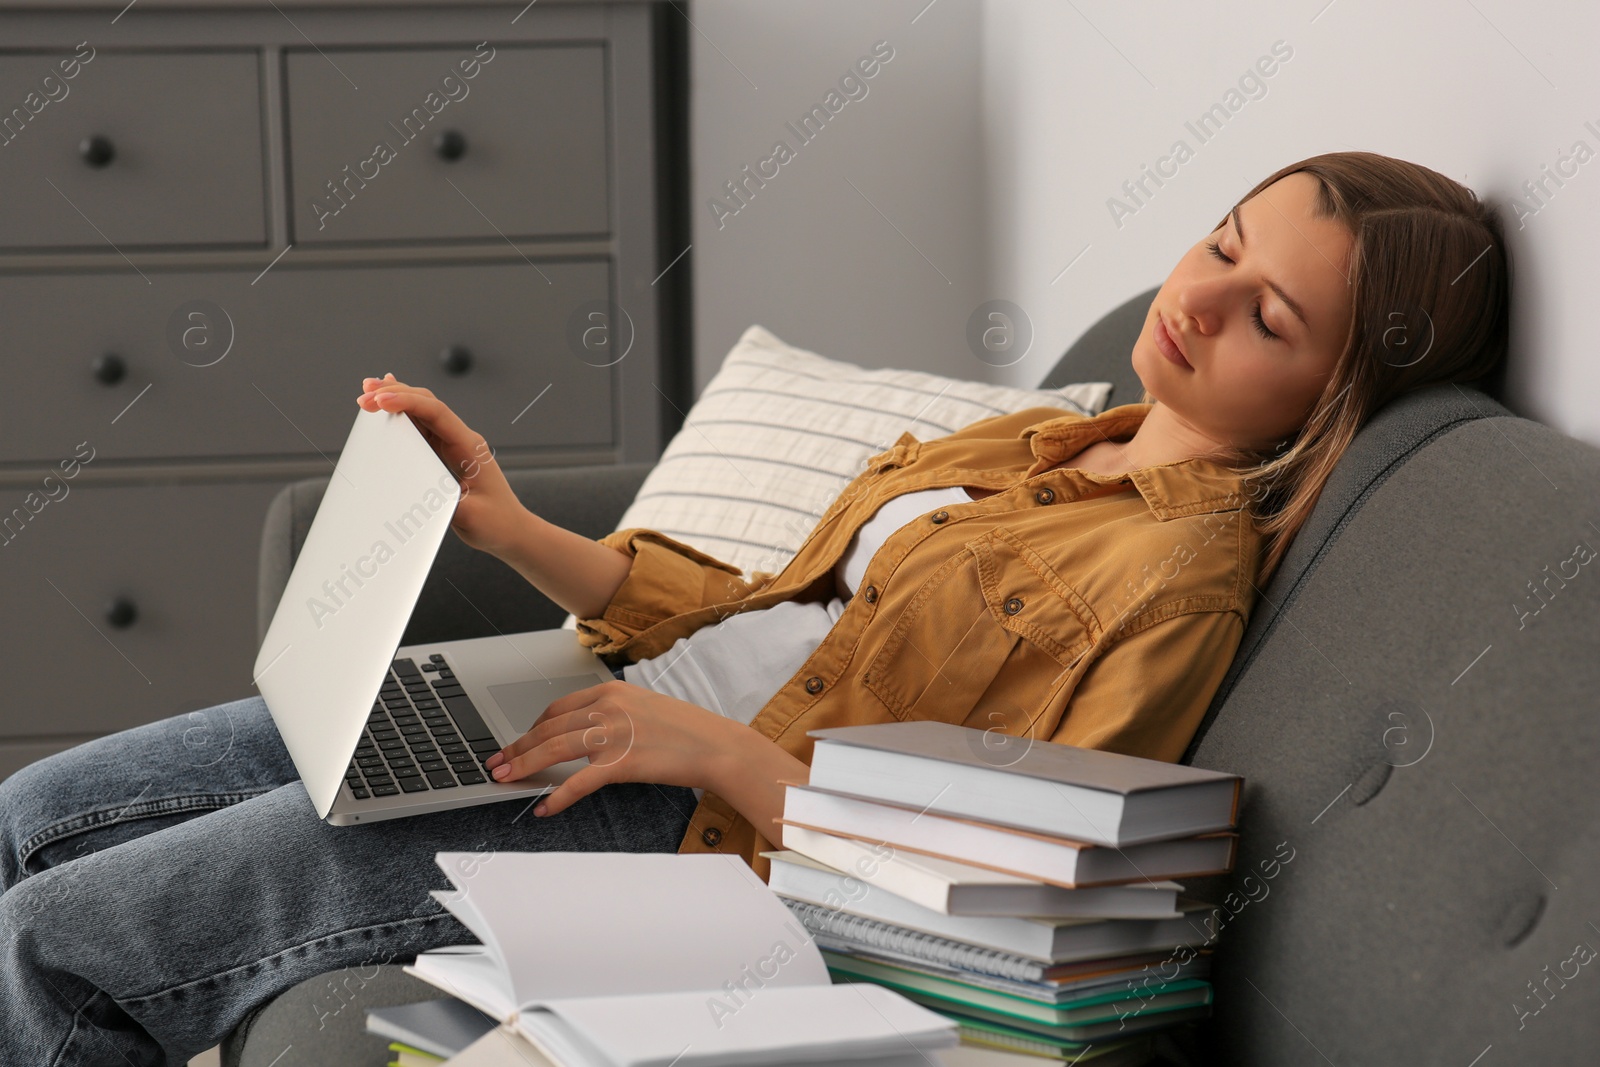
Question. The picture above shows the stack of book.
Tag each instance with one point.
(1022, 889)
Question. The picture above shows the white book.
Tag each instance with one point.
(505, 1047)
(617, 959)
(500, 1047)
(953, 888)
(1048, 940)
(1025, 853)
(1104, 798)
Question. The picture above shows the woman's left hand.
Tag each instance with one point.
(628, 732)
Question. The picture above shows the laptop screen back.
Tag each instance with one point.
(355, 582)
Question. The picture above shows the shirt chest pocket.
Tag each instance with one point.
(993, 625)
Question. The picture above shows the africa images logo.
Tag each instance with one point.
(1251, 85)
(852, 87)
(455, 89)
(408, 524)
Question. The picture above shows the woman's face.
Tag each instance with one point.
(1245, 332)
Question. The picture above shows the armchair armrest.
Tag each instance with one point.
(468, 593)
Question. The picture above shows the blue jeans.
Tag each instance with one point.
(158, 884)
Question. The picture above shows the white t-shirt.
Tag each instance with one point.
(733, 667)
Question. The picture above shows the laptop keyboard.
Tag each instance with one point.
(423, 733)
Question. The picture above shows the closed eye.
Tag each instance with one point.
(1255, 311)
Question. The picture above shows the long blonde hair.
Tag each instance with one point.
(1430, 289)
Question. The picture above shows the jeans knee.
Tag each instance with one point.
(34, 799)
(20, 800)
(27, 907)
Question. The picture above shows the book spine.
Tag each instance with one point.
(872, 933)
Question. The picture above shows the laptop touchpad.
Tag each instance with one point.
(523, 702)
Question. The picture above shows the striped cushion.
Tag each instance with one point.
(779, 432)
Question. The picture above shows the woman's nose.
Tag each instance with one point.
(1200, 306)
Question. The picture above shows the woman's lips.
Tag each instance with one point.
(1168, 346)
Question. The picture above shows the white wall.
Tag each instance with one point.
(1001, 129)
(809, 257)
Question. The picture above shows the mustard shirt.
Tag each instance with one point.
(1087, 609)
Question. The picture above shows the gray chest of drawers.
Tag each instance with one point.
(217, 218)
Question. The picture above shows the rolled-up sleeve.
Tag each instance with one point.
(1148, 693)
(666, 578)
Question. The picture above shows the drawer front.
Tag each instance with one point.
(104, 357)
(183, 556)
(422, 151)
(173, 156)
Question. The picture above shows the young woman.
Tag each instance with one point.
(1069, 579)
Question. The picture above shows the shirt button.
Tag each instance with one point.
(1013, 606)
(939, 516)
(1045, 496)
(711, 836)
(871, 594)
(813, 684)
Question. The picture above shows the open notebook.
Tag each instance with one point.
(617, 959)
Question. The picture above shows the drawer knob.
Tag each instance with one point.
(121, 613)
(97, 151)
(456, 360)
(450, 145)
(109, 369)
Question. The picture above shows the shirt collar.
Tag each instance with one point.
(1192, 486)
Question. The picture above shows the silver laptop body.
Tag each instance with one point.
(377, 731)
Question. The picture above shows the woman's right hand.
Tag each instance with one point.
(488, 516)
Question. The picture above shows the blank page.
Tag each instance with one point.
(575, 924)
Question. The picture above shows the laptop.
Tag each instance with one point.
(375, 730)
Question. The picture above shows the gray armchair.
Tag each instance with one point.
(1420, 847)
